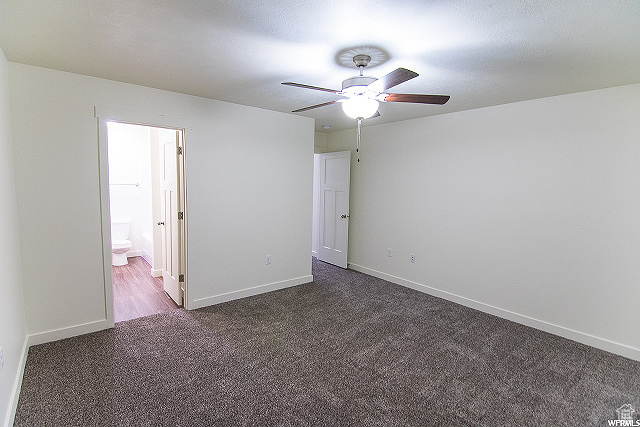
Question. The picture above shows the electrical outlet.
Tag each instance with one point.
(1, 359)
(267, 259)
(389, 252)
(413, 257)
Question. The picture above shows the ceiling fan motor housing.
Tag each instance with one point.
(361, 60)
(357, 85)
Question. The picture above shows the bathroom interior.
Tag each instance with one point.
(136, 234)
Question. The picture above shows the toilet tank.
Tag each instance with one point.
(119, 230)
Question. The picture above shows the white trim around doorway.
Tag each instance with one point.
(104, 115)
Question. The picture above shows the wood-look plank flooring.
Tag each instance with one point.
(136, 293)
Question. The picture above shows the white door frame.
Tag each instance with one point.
(169, 218)
(337, 251)
(104, 115)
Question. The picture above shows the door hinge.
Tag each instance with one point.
(179, 150)
(180, 215)
(181, 278)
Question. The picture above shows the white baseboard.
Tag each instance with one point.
(41, 338)
(314, 253)
(17, 384)
(131, 254)
(243, 293)
(147, 257)
(68, 332)
(581, 337)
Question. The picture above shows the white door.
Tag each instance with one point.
(335, 176)
(170, 205)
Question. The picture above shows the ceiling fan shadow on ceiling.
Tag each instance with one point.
(363, 94)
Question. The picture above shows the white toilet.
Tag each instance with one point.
(119, 242)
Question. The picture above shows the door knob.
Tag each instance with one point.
(160, 222)
(344, 216)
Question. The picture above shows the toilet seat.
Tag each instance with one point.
(120, 244)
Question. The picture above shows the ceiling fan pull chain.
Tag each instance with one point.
(358, 139)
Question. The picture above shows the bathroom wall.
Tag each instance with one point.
(130, 163)
(156, 253)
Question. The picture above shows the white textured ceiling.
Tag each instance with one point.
(480, 52)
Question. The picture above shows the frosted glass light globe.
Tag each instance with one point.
(360, 107)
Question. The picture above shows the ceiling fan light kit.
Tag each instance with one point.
(360, 107)
(363, 94)
(361, 103)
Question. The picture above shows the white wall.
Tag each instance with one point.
(319, 146)
(12, 318)
(130, 163)
(249, 180)
(156, 213)
(320, 142)
(528, 210)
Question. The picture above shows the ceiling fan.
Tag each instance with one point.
(363, 94)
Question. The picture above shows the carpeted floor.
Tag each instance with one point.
(347, 349)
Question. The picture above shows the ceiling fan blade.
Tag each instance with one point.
(310, 87)
(313, 106)
(418, 99)
(397, 76)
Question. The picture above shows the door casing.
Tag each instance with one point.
(104, 115)
(171, 222)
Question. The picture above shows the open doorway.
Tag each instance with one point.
(146, 209)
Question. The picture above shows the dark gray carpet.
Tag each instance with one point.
(347, 349)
